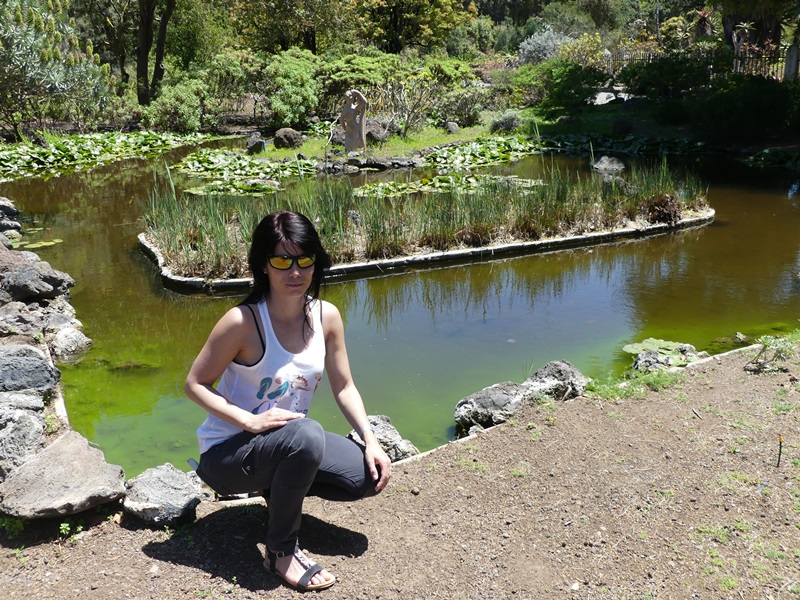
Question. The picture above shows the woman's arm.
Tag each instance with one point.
(347, 396)
(231, 337)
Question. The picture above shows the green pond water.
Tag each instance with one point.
(419, 341)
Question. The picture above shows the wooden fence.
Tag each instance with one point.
(771, 65)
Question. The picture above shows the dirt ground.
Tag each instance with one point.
(675, 495)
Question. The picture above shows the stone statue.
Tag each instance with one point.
(354, 121)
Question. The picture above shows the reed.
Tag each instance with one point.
(208, 236)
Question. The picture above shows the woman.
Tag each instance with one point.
(270, 352)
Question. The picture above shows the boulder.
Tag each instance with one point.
(7, 208)
(162, 496)
(288, 138)
(65, 478)
(21, 435)
(24, 277)
(558, 380)
(490, 406)
(377, 132)
(24, 400)
(650, 360)
(255, 143)
(389, 438)
(451, 127)
(609, 164)
(5, 242)
(69, 344)
(9, 225)
(24, 367)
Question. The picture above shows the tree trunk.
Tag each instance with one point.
(146, 16)
(158, 68)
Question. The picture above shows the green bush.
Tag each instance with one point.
(558, 86)
(231, 74)
(743, 106)
(178, 107)
(462, 106)
(672, 75)
(508, 121)
(363, 71)
(291, 86)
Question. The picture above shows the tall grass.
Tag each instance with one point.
(208, 236)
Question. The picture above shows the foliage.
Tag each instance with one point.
(69, 153)
(179, 108)
(277, 25)
(44, 70)
(363, 70)
(396, 24)
(773, 350)
(671, 75)
(742, 106)
(558, 86)
(477, 36)
(540, 46)
(233, 74)
(407, 103)
(462, 106)
(508, 121)
(509, 36)
(205, 236)
(13, 526)
(567, 18)
(240, 173)
(586, 51)
(291, 86)
(198, 31)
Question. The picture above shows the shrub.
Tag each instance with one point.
(233, 73)
(568, 19)
(508, 36)
(558, 86)
(471, 39)
(742, 106)
(462, 106)
(363, 71)
(291, 86)
(587, 50)
(672, 75)
(178, 107)
(540, 46)
(508, 121)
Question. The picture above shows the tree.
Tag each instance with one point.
(146, 88)
(42, 67)
(396, 24)
(199, 30)
(762, 20)
(111, 25)
(276, 25)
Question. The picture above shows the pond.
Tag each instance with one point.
(418, 341)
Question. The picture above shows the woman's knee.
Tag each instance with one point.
(308, 438)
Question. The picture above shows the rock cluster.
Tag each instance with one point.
(497, 403)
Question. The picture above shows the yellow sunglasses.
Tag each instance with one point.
(283, 263)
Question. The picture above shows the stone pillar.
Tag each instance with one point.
(792, 59)
(354, 121)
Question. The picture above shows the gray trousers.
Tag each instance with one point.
(287, 464)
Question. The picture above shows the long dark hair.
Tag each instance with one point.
(284, 226)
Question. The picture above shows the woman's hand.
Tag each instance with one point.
(380, 467)
(271, 419)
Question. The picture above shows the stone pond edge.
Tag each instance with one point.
(376, 268)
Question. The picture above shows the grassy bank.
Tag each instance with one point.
(207, 235)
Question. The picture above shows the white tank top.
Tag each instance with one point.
(280, 378)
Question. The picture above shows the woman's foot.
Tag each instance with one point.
(298, 571)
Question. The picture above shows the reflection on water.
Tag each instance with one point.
(419, 341)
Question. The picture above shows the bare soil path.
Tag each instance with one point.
(674, 495)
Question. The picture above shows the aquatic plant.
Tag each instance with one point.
(207, 235)
(64, 154)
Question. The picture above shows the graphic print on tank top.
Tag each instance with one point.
(273, 395)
